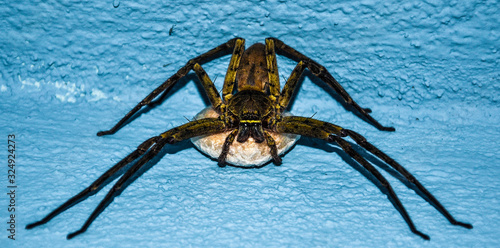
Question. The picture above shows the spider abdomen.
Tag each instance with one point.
(246, 154)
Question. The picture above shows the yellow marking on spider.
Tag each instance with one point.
(250, 121)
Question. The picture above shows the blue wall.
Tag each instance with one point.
(429, 68)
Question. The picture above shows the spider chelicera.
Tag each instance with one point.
(252, 111)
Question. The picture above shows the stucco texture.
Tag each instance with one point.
(69, 69)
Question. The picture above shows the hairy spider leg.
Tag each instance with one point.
(308, 127)
(272, 66)
(322, 73)
(360, 140)
(381, 179)
(218, 51)
(221, 161)
(97, 184)
(274, 150)
(332, 133)
(230, 79)
(290, 85)
(149, 149)
(116, 189)
(208, 85)
(174, 135)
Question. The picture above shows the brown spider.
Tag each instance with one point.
(253, 113)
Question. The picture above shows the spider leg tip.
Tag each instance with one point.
(35, 224)
(221, 164)
(466, 225)
(422, 235)
(389, 129)
(32, 225)
(278, 161)
(72, 235)
(101, 133)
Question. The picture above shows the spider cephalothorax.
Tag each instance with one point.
(252, 113)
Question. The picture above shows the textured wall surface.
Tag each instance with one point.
(429, 68)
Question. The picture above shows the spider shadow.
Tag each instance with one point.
(330, 148)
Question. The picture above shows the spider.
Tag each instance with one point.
(252, 111)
